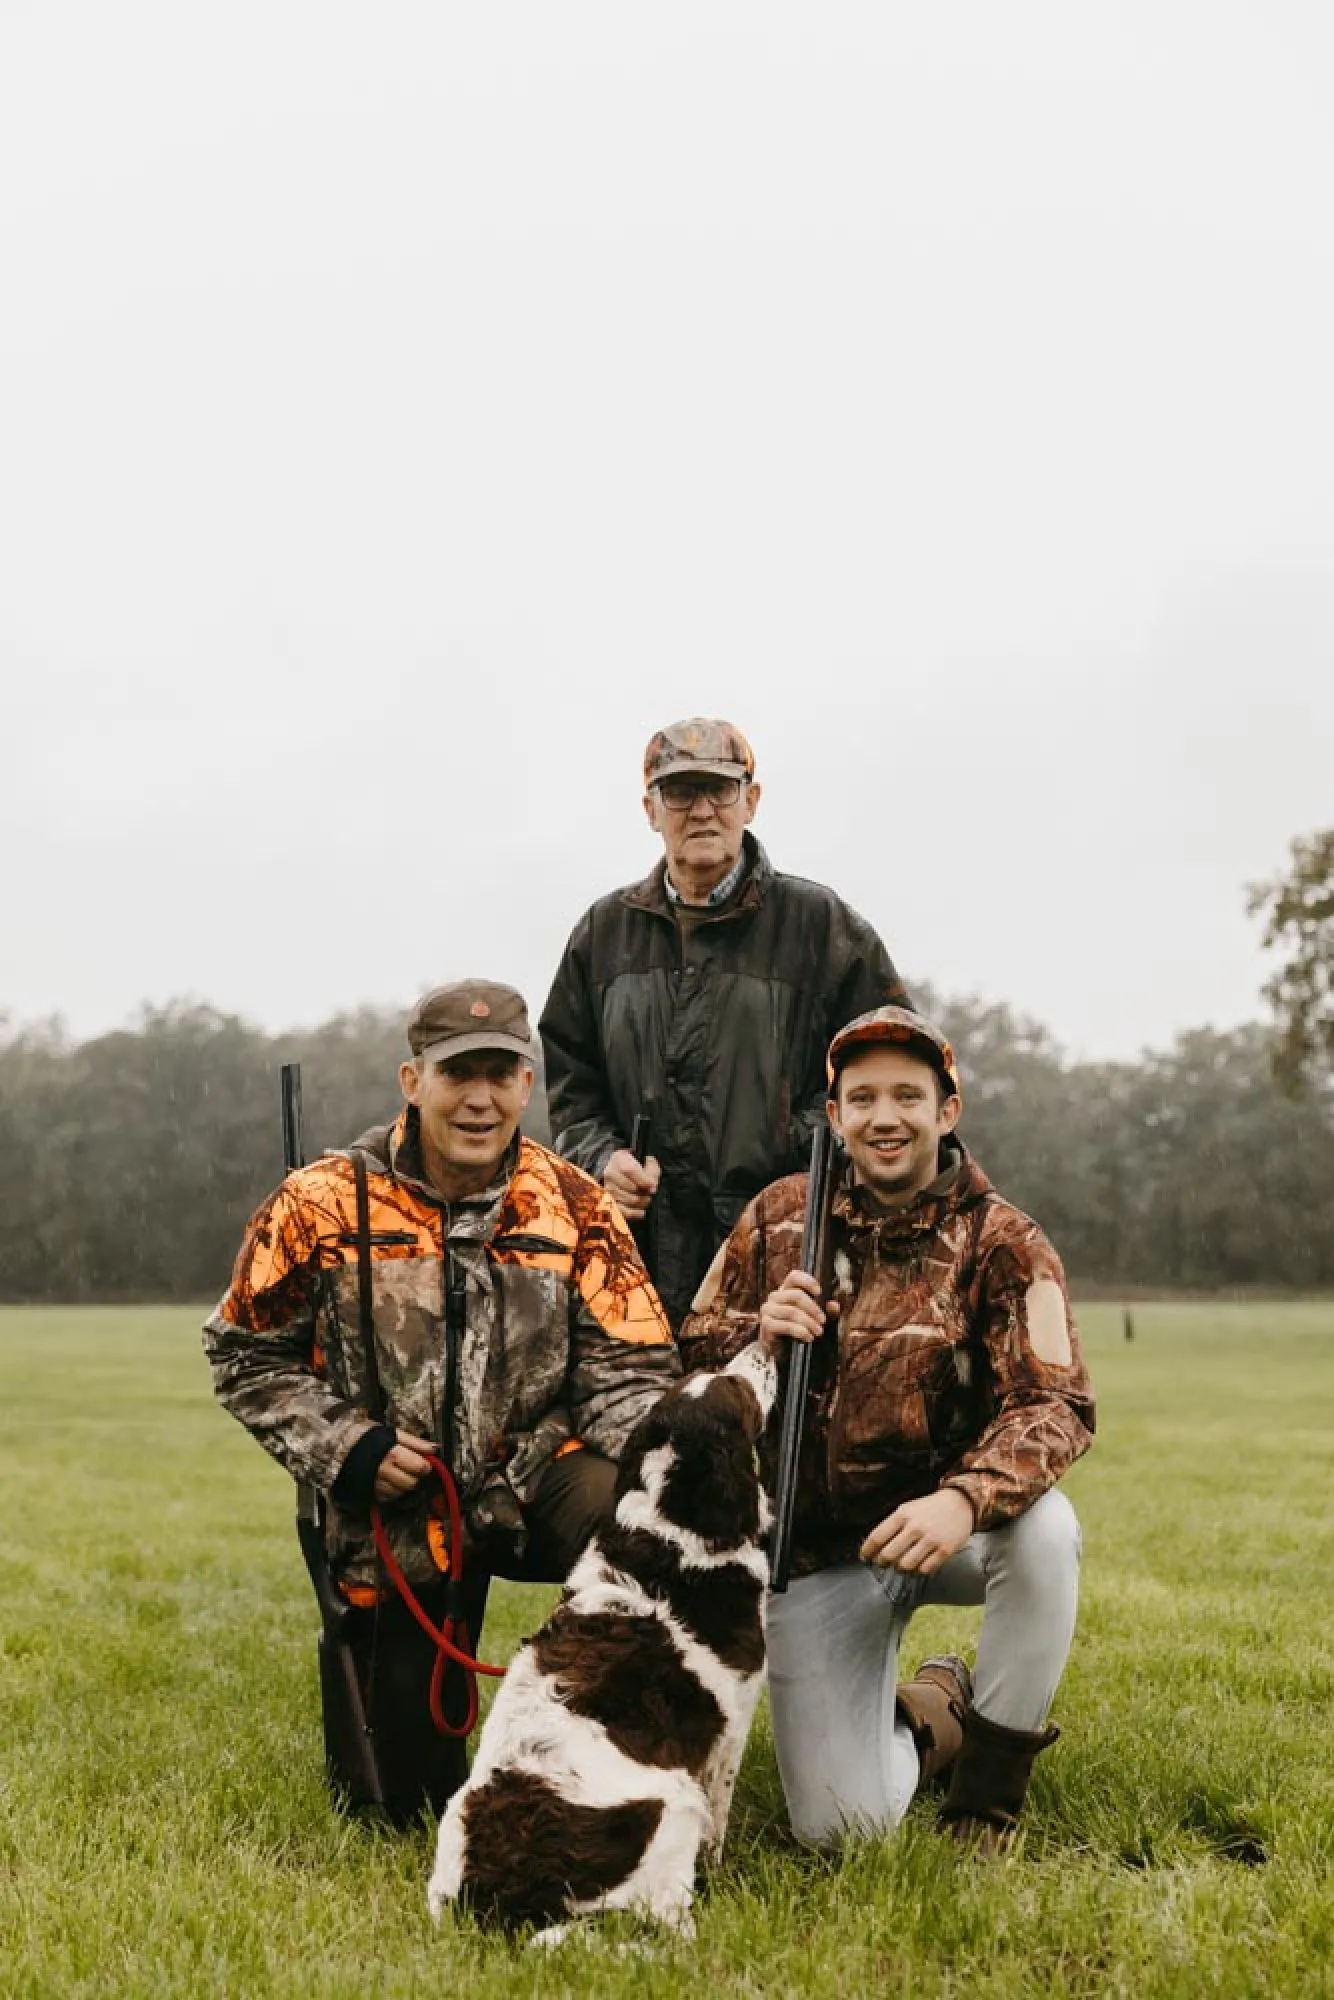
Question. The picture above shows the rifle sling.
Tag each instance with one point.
(375, 1402)
(456, 1316)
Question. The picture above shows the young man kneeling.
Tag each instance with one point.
(947, 1400)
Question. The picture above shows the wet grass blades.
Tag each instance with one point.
(163, 1823)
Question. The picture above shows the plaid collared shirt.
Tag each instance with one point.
(730, 883)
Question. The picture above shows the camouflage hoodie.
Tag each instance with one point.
(564, 1338)
(954, 1360)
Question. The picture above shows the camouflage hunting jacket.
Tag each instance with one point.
(954, 1360)
(724, 1023)
(563, 1338)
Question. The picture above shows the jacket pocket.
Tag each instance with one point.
(952, 1402)
(353, 1558)
(881, 1441)
(408, 1349)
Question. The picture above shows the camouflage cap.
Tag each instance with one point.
(702, 744)
(895, 1026)
(470, 1014)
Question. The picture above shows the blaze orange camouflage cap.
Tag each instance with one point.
(702, 744)
(470, 1014)
(895, 1026)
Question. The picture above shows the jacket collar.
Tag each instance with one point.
(720, 893)
(651, 893)
(477, 1214)
(959, 1184)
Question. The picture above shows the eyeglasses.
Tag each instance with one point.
(679, 794)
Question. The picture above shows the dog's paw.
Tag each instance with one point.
(553, 1935)
(681, 1925)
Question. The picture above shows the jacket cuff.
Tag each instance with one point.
(355, 1485)
(980, 1492)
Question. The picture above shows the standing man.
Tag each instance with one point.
(512, 1330)
(945, 1403)
(707, 995)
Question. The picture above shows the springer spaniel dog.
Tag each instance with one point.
(611, 1751)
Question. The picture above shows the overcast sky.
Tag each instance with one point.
(405, 409)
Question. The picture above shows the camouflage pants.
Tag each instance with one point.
(847, 1760)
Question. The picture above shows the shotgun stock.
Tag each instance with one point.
(815, 1259)
(349, 1749)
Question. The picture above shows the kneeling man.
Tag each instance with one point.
(444, 1286)
(947, 1399)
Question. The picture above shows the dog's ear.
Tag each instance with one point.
(713, 1488)
(652, 1430)
(733, 1397)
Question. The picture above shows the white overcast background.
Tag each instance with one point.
(405, 409)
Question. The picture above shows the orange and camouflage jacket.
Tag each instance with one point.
(564, 1340)
(953, 1360)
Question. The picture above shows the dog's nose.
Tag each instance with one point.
(756, 1366)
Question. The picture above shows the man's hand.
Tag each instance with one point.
(632, 1182)
(794, 1312)
(921, 1534)
(402, 1467)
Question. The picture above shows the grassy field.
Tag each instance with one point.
(163, 1825)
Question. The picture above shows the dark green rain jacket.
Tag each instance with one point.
(724, 1027)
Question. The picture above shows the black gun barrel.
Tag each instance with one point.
(645, 1231)
(294, 1143)
(349, 1748)
(814, 1234)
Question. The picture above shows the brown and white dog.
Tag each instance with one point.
(611, 1751)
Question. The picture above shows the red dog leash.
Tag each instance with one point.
(451, 1638)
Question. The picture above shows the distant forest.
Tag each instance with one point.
(128, 1164)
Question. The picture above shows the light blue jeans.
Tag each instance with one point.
(846, 1761)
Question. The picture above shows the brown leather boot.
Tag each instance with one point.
(933, 1704)
(990, 1782)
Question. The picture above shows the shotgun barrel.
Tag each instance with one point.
(294, 1143)
(814, 1258)
(645, 1232)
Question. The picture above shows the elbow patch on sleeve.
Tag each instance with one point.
(1048, 1322)
(711, 1283)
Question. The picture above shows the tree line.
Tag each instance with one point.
(128, 1164)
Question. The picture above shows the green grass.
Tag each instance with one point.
(163, 1824)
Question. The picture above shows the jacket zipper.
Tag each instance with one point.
(538, 1245)
(835, 1404)
(379, 1237)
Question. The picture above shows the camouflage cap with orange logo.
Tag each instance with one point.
(470, 1014)
(895, 1027)
(703, 744)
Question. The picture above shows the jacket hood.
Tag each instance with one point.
(374, 1142)
(651, 893)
